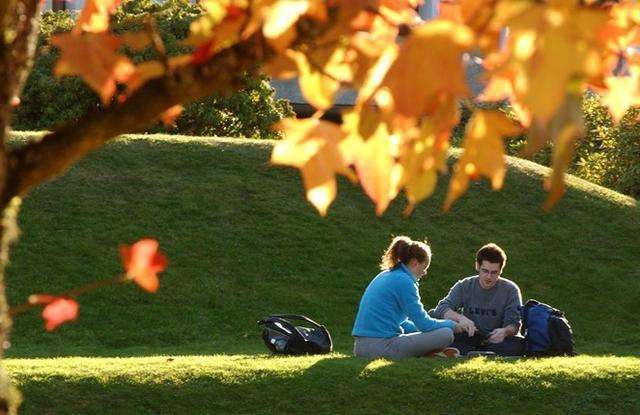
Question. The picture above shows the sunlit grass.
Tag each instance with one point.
(243, 243)
(333, 383)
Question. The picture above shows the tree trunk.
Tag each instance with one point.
(9, 396)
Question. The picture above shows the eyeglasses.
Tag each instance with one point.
(492, 273)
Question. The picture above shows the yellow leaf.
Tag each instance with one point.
(320, 150)
(551, 45)
(562, 154)
(416, 78)
(483, 152)
(282, 16)
(375, 167)
(424, 156)
(316, 87)
(94, 16)
(622, 93)
(93, 56)
(217, 29)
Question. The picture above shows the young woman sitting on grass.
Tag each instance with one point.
(391, 321)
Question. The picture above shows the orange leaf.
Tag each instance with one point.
(136, 41)
(169, 116)
(425, 155)
(94, 17)
(316, 87)
(142, 263)
(433, 49)
(483, 152)
(622, 93)
(564, 145)
(551, 46)
(375, 166)
(93, 56)
(320, 150)
(59, 311)
(215, 30)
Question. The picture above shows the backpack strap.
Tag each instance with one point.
(278, 323)
(298, 317)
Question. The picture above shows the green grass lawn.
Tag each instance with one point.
(243, 243)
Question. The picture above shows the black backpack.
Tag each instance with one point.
(282, 337)
(546, 330)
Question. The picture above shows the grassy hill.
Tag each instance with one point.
(243, 243)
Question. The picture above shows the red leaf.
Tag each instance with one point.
(59, 311)
(143, 262)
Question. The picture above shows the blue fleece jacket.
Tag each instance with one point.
(391, 306)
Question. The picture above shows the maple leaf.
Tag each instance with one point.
(563, 149)
(320, 150)
(426, 155)
(142, 262)
(374, 160)
(93, 56)
(58, 310)
(622, 93)
(169, 116)
(94, 16)
(216, 30)
(550, 46)
(483, 153)
(317, 87)
(431, 50)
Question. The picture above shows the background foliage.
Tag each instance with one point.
(48, 101)
(608, 155)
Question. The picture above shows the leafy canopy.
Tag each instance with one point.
(409, 75)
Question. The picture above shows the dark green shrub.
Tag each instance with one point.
(610, 154)
(48, 101)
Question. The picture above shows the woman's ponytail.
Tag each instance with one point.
(402, 249)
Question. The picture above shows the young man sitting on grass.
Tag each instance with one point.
(487, 306)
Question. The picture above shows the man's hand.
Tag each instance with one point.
(457, 328)
(497, 336)
(468, 325)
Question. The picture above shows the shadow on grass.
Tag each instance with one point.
(344, 385)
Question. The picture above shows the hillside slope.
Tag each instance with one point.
(243, 243)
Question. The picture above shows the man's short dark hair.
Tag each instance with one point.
(491, 253)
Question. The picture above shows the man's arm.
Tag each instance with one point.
(512, 319)
(447, 306)
(467, 324)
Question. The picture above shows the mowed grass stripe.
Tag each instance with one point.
(327, 384)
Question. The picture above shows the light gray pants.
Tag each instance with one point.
(404, 345)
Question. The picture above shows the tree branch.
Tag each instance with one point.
(56, 152)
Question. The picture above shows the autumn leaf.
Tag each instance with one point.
(426, 155)
(622, 93)
(320, 150)
(562, 153)
(483, 153)
(216, 30)
(93, 56)
(168, 117)
(318, 88)
(431, 50)
(59, 310)
(142, 262)
(550, 46)
(374, 161)
(94, 16)
(277, 17)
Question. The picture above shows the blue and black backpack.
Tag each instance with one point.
(546, 331)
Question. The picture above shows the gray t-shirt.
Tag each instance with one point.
(489, 309)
